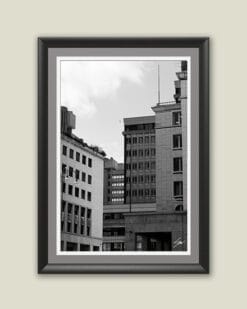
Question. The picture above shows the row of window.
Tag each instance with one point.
(116, 177)
(69, 189)
(70, 172)
(114, 231)
(117, 200)
(78, 157)
(118, 192)
(112, 216)
(141, 140)
(141, 179)
(141, 165)
(116, 184)
(141, 152)
(141, 192)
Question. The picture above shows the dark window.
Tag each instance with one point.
(76, 192)
(89, 162)
(64, 169)
(71, 153)
(146, 192)
(140, 165)
(134, 179)
(140, 152)
(140, 179)
(71, 171)
(153, 139)
(140, 192)
(63, 206)
(89, 179)
(153, 165)
(89, 196)
(153, 152)
(75, 228)
(146, 165)
(178, 188)
(83, 194)
(69, 227)
(153, 178)
(177, 164)
(177, 141)
(147, 178)
(146, 139)
(76, 210)
(70, 189)
(134, 140)
(89, 213)
(70, 206)
(82, 212)
(77, 156)
(64, 150)
(83, 176)
(88, 230)
(82, 229)
(146, 152)
(134, 166)
(140, 140)
(134, 193)
(176, 118)
(77, 175)
(84, 159)
(64, 187)
(179, 208)
(134, 153)
(153, 192)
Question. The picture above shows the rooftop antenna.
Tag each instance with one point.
(158, 84)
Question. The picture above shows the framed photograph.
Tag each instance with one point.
(123, 155)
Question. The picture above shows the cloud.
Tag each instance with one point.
(85, 83)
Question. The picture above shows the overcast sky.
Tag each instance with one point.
(102, 93)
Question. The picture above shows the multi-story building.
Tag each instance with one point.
(166, 228)
(113, 182)
(82, 168)
(139, 159)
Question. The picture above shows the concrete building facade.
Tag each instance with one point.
(82, 171)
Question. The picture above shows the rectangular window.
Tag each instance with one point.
(89, 196)
(75, 228)
(153, 192)
(84, 159)
(69, 227)
(83, 176)
(89, 162)
(64, 169)
(70, 189)
(152, 178)
(140, 192)
(146, 152)
(83, 194)
(146, 139)
(70, 171)
(153, 139)
(177, 141)
(140, 165)
(82, 212)
(146, 178)
(64, 150)
(71, 154)
(140, 140)
(70, 206)
(82, 229)
(88, 230)
(153, 152)
(77, 175)
(89, 213)
(146, 192)
(134, 153)
(176, 119)
(89, 179)
(140, 152)
(76, 192)
(134, 140)
(76, 210)
(64, 187)
(134, 166)
(134, 179)
(178, 188)
(153, 165)
(146, 165)
(177, 164)
(77, 156)
(140, 179)
(134, 193)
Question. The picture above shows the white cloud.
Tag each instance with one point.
(84, 83)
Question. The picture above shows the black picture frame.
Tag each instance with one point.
(200, 43)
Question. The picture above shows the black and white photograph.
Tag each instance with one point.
(124, 155)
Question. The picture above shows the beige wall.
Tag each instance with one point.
(20, 24)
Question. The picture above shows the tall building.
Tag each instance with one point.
(113, 182)
(82, 171)
(139, 160)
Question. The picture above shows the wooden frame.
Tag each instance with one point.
(44, 45)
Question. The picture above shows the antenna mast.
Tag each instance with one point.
(158, 84)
